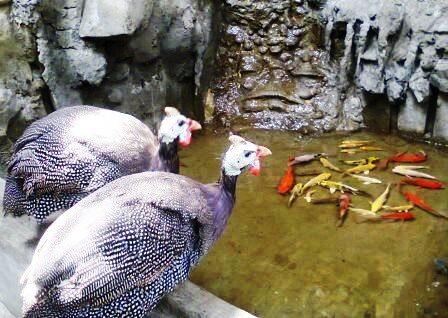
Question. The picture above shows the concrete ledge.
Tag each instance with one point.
(187, 301)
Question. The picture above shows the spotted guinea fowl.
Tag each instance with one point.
(120, 250)
(72, 152)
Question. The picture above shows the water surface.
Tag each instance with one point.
(276, 261)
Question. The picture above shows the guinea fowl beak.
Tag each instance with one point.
(185, 139)
(194, 125)
(263, 151)
(255, 167)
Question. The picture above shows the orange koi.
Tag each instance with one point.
(385, 217)
(402, 216)
(423, 183)
(411, 197)
(409, 157)
(344, 201)
(287, 181)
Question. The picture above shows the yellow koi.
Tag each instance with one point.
(361, 168)
(327, 164)
(351, 151)
(295, 192)
(315, 180)
(347, 144)
(370, 148)
(361, 161)
(379, 202)
(364, 142)
(333, 186)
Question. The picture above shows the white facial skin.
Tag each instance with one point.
(241, 154)
(174, 126)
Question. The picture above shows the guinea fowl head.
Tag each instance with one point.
(243, 154)
(175, 125)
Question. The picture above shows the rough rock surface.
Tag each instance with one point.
(306, 65)
(136, 56)
(20, 82)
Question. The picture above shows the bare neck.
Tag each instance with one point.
(221, 201)
(167, 158)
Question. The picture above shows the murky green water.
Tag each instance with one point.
(276, 261)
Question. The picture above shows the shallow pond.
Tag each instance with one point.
(276, 261)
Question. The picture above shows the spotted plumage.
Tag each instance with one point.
(117, 252)
(74, 151)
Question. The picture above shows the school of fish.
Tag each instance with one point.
(379, 212)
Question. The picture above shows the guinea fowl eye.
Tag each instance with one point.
(247, 153)
(181, 123)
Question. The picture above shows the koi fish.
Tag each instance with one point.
(441, 266)
(308, 195)
(305, 158)
(327, 164)
(362, 168)
(351, 151)
(362, 142)
(370, 148)
(402, 216)
(385, 217)
(409, 157)
(379, 202)
(365, 180)
(286, 182)
(382, 164)
(315, 180)
(344, 201)
(411, 197)
(347, 144)
(409, 171)
(401, 208)
(295, 192)
(333, 186)
(423, 183)
(361, 161)
(362, 211)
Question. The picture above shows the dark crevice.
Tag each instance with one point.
(44, 90)
(432, 109)
(393, 123)
(372, 36)
(337, 38)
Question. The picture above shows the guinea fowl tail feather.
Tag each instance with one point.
(14, 198)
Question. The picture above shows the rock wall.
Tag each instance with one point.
(135, 56)
(304, 65)
(315, 65)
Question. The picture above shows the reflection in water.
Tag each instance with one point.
(276, 261)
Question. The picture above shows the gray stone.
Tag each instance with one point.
(441, 122)
(419, 84)
(439, 77)
(104, 18)
(412, 115)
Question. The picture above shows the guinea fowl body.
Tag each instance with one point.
(120, 250)
(74, 151)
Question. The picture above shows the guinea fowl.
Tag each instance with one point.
(74, 151)
(120, 250)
